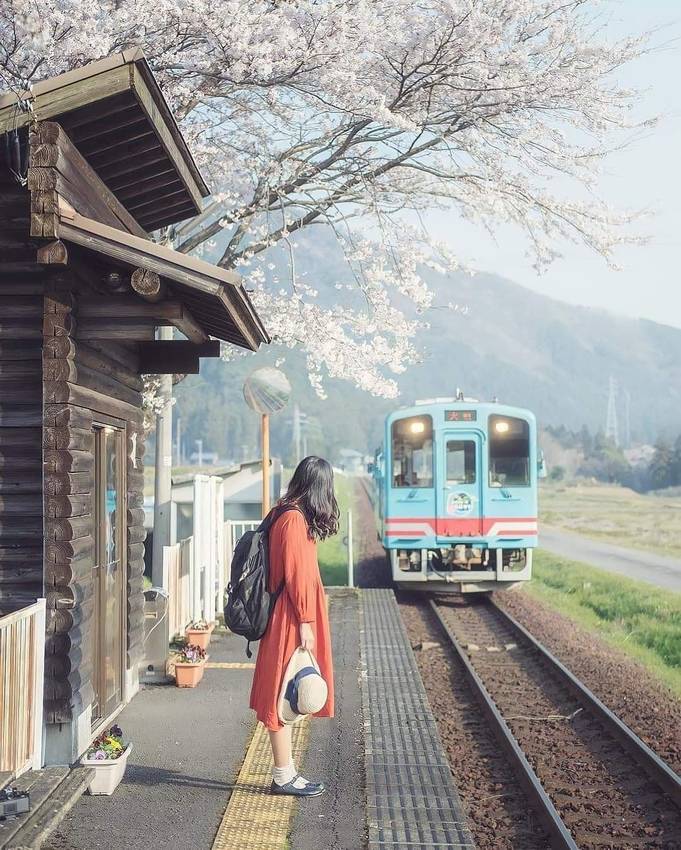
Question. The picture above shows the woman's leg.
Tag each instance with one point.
(280, 741)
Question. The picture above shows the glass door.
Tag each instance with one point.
(109, 570)
(459, 511)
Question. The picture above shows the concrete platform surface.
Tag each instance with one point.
(188, 745)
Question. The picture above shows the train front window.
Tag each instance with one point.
(412, 452)
(509, 451)
(460, 462)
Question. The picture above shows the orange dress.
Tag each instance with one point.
(293, 559)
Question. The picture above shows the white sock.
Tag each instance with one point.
(284, 775)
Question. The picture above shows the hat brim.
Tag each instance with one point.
(299, 659)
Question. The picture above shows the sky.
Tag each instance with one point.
(646, 175)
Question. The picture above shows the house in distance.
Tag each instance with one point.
(91, 162)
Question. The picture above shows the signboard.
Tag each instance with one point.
(461, 415)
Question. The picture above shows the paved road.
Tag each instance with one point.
(644, 566)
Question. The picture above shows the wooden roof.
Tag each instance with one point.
(116, 116)
(214, 296)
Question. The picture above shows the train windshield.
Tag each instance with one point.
(460, 462)
(509, 452)
(412, 452)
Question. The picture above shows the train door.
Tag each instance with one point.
(459, 509)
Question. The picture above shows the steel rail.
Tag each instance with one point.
(656, 767)
(560, 836)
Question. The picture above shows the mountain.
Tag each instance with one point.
(512, 343)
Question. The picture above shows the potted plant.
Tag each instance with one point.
(107, 755)
(189, 666)
(198, 633)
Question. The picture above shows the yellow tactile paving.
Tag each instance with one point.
(230, 665)
(254, 819)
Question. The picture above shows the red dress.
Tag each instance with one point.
(293, 559)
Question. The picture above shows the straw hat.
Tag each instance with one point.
(303, 691)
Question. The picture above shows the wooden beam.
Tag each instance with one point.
(54, 253)
(122, 329)
(188, 325)
(165, 357)
(146, 283)
(122, 307)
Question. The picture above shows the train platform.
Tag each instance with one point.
(200, 769)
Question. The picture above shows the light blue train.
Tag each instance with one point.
(457, 494)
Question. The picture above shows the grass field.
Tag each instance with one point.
(333, 555)
(639, 619)
(615, 514)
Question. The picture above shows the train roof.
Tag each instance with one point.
(422, 406)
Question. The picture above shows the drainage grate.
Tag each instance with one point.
(412, 803)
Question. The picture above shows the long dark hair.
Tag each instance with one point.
(311, 490)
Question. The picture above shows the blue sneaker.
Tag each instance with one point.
(298, 787)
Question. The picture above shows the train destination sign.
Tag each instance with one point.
(461, 415)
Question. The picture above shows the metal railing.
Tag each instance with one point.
(234, 530)
(22, 664)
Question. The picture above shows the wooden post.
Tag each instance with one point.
(265, 464)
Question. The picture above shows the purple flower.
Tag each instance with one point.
(100, 754)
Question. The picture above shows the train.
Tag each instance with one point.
(456, 494)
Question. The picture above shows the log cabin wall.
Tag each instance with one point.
(86, 381)
(21, 310)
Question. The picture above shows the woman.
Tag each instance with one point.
(299, 617)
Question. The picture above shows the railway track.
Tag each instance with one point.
(594, 784)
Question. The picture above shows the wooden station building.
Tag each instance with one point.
(91, 162)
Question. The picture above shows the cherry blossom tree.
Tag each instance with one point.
(361, 115)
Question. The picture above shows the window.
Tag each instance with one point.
(460, 462)
(412, 450)
(509, 452)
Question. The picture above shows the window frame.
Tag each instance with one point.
(394, 423)
(527, 433)
(461, 440)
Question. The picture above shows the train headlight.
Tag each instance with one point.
(501, 427)
(417, 427)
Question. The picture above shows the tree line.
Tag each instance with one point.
(603, 460)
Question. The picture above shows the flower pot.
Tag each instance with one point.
(107, 772)
(198, 637)
(188, 675)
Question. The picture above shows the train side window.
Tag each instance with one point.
(509, 451)
(412, 452)
(460, 462)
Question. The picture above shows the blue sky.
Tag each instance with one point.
(647, 175)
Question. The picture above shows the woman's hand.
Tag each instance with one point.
(306, 636)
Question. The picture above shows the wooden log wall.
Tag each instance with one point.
(84, 383)
(21, 511)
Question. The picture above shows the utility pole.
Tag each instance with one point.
(296, 432)
(611, 429)
(627, 419)
(199, 447)
(178, 442)
(163, 471)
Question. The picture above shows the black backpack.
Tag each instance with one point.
(249, 603)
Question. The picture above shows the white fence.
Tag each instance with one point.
(194, 569)
(22, 660)
(233, 530)
(177, 579)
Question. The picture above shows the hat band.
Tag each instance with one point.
(292, 687)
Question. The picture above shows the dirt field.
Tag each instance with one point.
(616, 514)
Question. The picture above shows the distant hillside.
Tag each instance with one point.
(512, 343)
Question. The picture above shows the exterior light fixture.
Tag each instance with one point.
(501, 427)
(417, 427)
